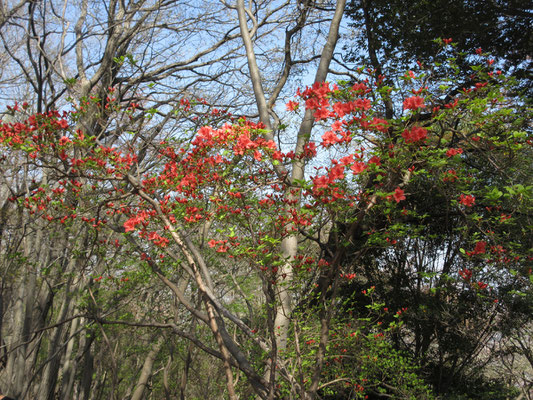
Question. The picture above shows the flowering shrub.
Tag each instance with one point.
(375, 187)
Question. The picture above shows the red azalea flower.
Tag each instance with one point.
(64, 140)
(337, 172)
(467, 200)
(454, 152)
(321, 182)
(379, 124)
(416, 134)
(129, 225)
(375, 160)
(466, 274)
(222, 249)
(398, 195)
(310, 150)
(329, 138)
(63, 124)
(292, 105)
(277, 155)
(480, 247)
(347, 160)
(358, 167)
(413, 103)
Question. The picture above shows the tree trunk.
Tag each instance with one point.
(69, 364)
(146, 372)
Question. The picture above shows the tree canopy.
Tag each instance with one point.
(397, 33)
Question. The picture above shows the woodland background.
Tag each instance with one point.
(188, 212)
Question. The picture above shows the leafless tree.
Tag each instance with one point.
(147, 55)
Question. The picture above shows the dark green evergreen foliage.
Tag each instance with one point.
(399, 31)
(404, 29)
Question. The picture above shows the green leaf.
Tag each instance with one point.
(494, 194)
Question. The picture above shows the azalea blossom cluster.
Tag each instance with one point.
(228, 173)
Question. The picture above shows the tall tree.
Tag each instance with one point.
(127, 68)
